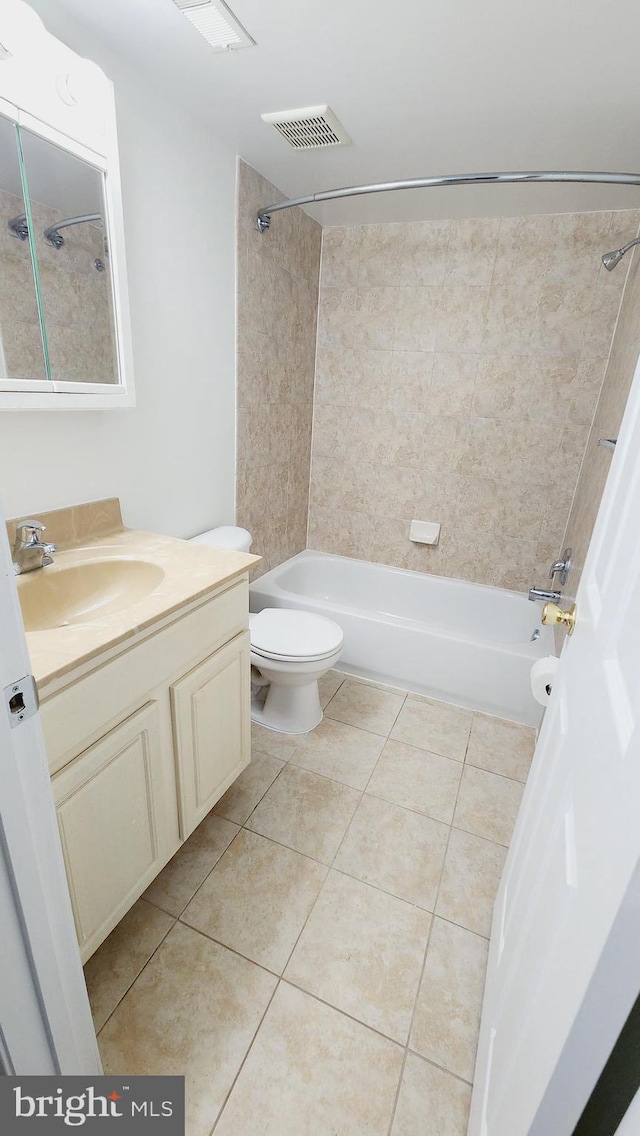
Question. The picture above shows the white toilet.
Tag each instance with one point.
(290, 651)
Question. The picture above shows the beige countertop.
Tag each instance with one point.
(190, 572)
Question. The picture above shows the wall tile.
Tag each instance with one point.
(462, 318)
(472, 251)
(458, 369)
(536, 388)
(510, 320)
(417, 318)
(278, 292)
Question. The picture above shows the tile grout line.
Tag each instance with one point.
(244, 1059)
(426, 952)
(142, 969)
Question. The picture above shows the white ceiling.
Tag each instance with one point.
(422, 86)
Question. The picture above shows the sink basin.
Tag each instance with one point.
(73, 594)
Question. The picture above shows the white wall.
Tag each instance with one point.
(171, 459)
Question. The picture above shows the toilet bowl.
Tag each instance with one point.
(290, 651)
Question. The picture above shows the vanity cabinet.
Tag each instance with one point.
(114, 820)
(211, 728)
(141, 745)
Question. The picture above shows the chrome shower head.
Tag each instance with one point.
(610, 259)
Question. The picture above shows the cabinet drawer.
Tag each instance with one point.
(212, 729)
(113, 823)
(86, 709)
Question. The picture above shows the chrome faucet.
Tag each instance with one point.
(29, 551)
(545, 596)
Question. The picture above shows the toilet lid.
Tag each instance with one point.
(288, 634)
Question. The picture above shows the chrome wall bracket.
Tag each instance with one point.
(18, 227)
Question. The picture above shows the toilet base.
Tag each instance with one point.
(288, 709)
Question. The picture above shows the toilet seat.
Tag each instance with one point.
(293, 636)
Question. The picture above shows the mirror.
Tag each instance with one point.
(68, 213)
(65, 335)
(21, 347)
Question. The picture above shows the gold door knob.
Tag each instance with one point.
(553, 615)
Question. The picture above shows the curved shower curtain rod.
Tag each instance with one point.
(263, 219)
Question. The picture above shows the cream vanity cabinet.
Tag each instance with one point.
(142, 742)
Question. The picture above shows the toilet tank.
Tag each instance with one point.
(226, 536)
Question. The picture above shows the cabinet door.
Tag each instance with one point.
(212, 727)
(113, 826)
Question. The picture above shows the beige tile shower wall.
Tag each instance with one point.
(458, 368)
(19, 324)
(278, 274)
(606, 424)
(76, 300)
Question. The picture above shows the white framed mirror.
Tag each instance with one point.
(65, 340)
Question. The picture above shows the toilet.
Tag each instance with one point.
(290, 651)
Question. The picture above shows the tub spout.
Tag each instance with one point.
(544, 595)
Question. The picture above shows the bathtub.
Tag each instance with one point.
(463, 643)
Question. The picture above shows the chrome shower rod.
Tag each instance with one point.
(263, 219)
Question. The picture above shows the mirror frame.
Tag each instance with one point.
(54, 93)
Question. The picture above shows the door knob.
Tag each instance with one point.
(552, 615)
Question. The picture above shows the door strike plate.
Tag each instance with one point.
(21, 700)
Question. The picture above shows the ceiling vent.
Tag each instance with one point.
(309, 128)
(216, 23)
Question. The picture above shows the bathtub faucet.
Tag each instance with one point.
(545, 596)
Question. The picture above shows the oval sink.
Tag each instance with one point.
(73, 594)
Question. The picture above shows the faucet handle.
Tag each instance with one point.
(31, 528)
(562, 567)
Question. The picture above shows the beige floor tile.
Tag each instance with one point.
(447, 1015)
(340, 752)
(472, 870)
(241, 799)
(434, 726)
(313, 1072)
(415, 779)
(328, 685)
(366, 707)
(257, 899)
(362, 951)
(501, 747)
(488, 804)
(111, 970)
(431, 1102)
(184, 873)
(272, 742)
(194, 1011)
(307, 813)
(399, 851)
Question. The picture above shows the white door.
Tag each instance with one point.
(564, 964)
(45, 1019)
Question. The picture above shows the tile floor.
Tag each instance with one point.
(313, 958)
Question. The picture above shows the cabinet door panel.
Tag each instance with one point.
(111, 818)
(211, 711)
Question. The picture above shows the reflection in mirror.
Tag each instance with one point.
(68, 215)
(21, 351)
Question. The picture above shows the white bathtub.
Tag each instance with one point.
(464, 643)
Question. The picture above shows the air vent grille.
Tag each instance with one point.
(309, 128)
(216, 23)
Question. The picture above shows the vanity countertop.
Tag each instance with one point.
(189, 573)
